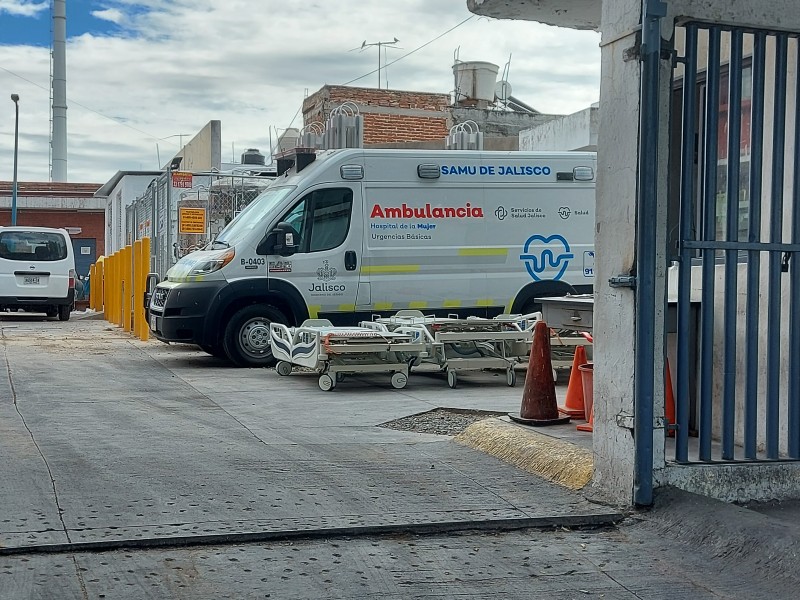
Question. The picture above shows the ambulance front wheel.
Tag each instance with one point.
(326, 383)
(247, 338)
(283, 368)
(399, 381)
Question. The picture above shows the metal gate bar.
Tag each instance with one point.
(793, 412)
(731, 254)
(687, 229)
(709, 235)
(752, 352)
(775, 236)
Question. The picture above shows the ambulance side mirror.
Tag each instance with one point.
(282, 240)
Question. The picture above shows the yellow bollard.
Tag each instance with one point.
(115, 295)
(138, 312)
(144, 332)
(126, 287)
(108, 289)
(99, 291)
(92, 281)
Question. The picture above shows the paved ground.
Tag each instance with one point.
(113, 449)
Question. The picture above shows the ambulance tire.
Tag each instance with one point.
(246, 338)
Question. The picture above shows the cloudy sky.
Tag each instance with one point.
(143, 73)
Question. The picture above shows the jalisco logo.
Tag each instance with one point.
(404, 211)
(326, 272)
(541, 253)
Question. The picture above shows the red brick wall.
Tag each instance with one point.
(92, 223)
(382, 127)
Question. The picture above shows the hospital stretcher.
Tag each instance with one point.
(456, 345)
(335, 351)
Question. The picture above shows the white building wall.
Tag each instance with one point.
(577, 131)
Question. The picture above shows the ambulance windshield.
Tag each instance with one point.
(253, 216)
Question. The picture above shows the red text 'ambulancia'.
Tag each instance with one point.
(405, 211)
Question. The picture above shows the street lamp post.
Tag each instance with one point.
(15, 99)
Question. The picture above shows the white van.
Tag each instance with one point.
(358, 232)
(37, 271)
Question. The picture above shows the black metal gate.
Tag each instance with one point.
(736, 159)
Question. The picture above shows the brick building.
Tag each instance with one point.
(397, 119)
(389, 115)
(68, 205)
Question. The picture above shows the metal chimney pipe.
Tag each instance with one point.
(59, 141)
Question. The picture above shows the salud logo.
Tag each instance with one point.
(501, 212)
(541, 253)
(564, 212)
(326, 272)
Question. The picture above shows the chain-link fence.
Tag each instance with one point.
(184, 213)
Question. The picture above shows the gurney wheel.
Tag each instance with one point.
(326, 383)
(399, 381)
(511, 378)
(339, 377)
(283, 368)
(452, 379)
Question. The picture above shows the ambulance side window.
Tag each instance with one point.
(321, 219)
(330, 210)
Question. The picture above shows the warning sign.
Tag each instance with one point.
(182, 180)
(192, 220)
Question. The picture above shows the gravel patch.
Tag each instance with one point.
(440, 421)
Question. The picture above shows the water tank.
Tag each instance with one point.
(252, 156)
(474, 82)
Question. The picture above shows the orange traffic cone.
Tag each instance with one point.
(539, 405)
(587, 378)
(573, 405)
(669, 402)
(587, 426)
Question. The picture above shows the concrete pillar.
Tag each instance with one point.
(615, 241)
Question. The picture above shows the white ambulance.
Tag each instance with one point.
(346, 234)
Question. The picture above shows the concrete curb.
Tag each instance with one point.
(588, 521)
(556, 460)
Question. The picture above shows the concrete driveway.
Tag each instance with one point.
(110, 441)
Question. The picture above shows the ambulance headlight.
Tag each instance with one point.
(583, 173)
(215, 263)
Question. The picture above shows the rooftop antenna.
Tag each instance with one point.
(502, 90)
(380, 45)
